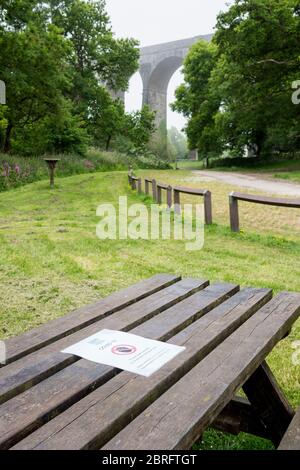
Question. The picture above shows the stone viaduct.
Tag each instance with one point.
(157, 65)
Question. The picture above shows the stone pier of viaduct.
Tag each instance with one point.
(157, 65)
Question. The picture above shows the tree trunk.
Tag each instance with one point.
(108, 143)
(7, 139)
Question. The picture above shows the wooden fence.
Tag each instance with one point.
(173, 194)
(234, 199)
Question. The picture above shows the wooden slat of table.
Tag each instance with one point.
(67, 386)
(179, 417)
(92, 421)
(291, 440)
(48, 398)
(39, 337)
(37, 366)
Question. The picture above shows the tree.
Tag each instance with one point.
(98, 60)
(33, 63)
(139, 127)
(238, 90)
(58, 58)
(197, 100)
(259, 78)
(178, 144)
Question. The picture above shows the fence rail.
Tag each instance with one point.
(269, 201)
(157, 188)
(195, 192)
(165, 187)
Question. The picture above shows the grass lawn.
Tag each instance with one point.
(289, 175)
(52, 262)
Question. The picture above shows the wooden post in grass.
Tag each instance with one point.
(177, 208)
(169, 197)
(139, 185)
(133, 185)
(154, 190)
(208, 208)
(147, 187)
(51, 163)
(234, 213)
(159, 197)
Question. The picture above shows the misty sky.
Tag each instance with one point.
(157, 21)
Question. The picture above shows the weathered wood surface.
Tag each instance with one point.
(95, 419)
(168, 189)
(55, 401)
(196, 192)
(210, 386)
(42, 336)
(37, 366)
(269, 201)
(234, 213)
(234, 197)
(291, 439)
(72, 383)
(193, 191)
(64, 388)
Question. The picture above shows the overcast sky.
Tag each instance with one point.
(157, 21)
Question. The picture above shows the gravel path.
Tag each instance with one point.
(251, 181)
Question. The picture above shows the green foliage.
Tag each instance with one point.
(159, 143)
(139, 127)
(178, 144)
(197, 100)
(18, 171)
(58, 59)
(238, 90)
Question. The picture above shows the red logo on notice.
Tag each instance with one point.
(123, 349)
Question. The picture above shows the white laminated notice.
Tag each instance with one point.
(125, 351)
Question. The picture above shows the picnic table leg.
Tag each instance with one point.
(239, 416)
(269, 402)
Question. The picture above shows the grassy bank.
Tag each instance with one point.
(16, 171)
(52, 262)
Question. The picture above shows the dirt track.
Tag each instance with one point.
(252, 181)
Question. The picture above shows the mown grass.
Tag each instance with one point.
(289, 175)
(282, 223)
(52, 262)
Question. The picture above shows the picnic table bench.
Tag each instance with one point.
(51, 400)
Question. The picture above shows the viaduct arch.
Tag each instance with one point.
(158, 63)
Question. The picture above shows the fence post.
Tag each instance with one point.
(140, 185)
(154, 190)
(159, 199)
(234, 213)
(133, 184)
(129, 179)
(177, 208)
(169, 197)
(207, 208)
(146, 187)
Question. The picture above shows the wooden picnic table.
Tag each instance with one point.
(50, 400)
